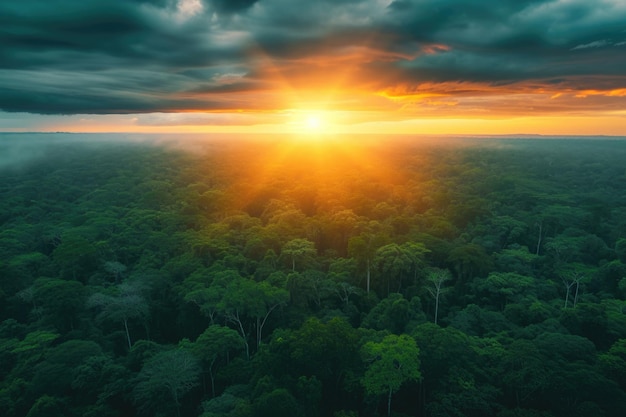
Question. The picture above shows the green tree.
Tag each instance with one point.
(469, 260)
(613, 362)
(102, 383)
(54, 375)
(620, 249)
(504, 230)
(116, 269)
(572, 276)
(363, 248)
(516, 259)
(390, 363)
(215, 342)
(47, 406)
(233, 402)
(127, 304)
(247, 302)
(205, 288)
(340, 227)
(164, 380)
(61, 301)
(436, 278)
(394, 262)
(75, 256)
(277, 403)
(503, 287)
(394, 314)
(455, 370)
(325, 350)
(299, 249)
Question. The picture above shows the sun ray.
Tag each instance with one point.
(327, 81)
(326, 170)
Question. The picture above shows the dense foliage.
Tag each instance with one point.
(281, 278)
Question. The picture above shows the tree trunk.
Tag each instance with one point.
(261, 323)
(212, 378)
(258, 332)
(437, 305)
(389, 403)
(568, 287)
(540, 225)
(175, 395)
(368, 276)
(235, 319)
(127, 333)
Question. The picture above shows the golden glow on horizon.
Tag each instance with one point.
(609, 123)
(322, 167)
(311, 123)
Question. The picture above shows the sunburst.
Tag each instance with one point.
(314, 122)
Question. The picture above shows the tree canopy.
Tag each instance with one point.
(448, 277)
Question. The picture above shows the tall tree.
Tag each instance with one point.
(396, 261)
(436, 278)
(247, 303)
(127, 304)
(363, 248)
(572, 276)
(390, 363)
(215, 342)
(298, 249)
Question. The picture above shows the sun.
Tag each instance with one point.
(314, 122)
(311, 124)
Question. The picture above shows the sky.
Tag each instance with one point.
(327, 66)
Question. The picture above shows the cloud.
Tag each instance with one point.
(143, 56)
(231, 6)
(594, 44)
(189, 8)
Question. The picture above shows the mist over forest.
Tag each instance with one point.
(184, 275)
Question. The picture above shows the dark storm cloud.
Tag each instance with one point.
(231, 6)
(134, 56)
(511, 40)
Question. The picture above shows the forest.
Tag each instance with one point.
(295, 277)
